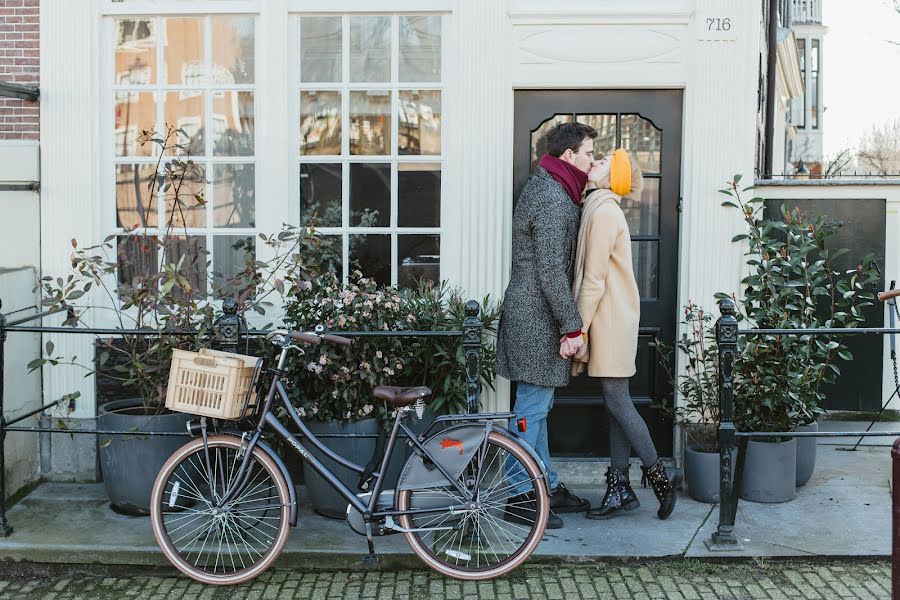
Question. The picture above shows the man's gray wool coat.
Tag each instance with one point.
(538, 308)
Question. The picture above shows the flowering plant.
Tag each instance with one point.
(335, 383)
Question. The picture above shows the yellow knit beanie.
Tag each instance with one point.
(620, 173)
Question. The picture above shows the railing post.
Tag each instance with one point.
(5, 528)
(227, 329)
(472, 347)
(895, 519)
(726, 337)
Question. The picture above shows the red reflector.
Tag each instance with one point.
(522, 425)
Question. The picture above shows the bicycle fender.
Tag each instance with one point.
(531, 452)
(287, 477)
(417, 474)
(453, 448)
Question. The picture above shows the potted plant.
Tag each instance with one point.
(332, 386)
(791, 283)
(156, 281)
(698, 414)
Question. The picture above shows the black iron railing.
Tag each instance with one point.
(727, 333)
(227, 332)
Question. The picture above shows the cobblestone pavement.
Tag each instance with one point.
(682, 579)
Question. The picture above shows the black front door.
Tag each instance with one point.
(647, 123)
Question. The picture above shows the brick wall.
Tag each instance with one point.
(19, 61)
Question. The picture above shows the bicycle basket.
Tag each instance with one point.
(211, 383)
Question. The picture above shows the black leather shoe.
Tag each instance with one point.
(662, 487)
(562, 500)
(619, 497)
(521, 510)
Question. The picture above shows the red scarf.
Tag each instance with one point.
(567, 175)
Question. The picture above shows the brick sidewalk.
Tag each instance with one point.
(682, 579)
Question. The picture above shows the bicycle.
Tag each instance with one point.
(222, 504)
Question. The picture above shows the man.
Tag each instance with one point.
(540, 328)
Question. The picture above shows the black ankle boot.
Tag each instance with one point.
(662, 487)
(619, 496)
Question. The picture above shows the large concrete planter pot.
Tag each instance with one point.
(806, 454)
(702, 473)
(325, 500)
(770, 471)
(130, 463)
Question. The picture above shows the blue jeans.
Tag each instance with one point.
(533, 403)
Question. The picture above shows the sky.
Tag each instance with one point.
(860, 69)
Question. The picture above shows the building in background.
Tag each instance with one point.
(807, 109)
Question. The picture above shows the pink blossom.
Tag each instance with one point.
(378, 354)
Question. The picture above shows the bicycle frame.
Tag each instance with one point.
(268, 420)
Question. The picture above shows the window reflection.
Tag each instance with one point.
(419, 127)
(370, 122)
(320, 123)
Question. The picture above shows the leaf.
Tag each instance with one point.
(49, 347)
(106, 442)
(737, 178)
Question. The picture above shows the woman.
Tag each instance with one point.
(609, 304)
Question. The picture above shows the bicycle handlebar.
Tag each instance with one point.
(885, 296)
(311, 338)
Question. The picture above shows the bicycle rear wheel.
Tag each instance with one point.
(210, 541)
(484, 542)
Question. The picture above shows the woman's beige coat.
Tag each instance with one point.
(606, 292)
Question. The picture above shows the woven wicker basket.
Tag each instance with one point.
(210, 383)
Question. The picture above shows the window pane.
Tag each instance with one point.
(185, 204)
(370, 122)
(135, 112)
(183, 50)
(137, 257)
(643, 140)
(605, 142)
(135, 207)
(233, 51)
(538, 137)
(418, 195)
(193, 248)
(184, 110)
(233, 257)
(371, 254)
(320, 49)
(419, 257)
(370, 49)
(643, 215)
(320, 194)
(326, 255)
(320, 123)
(370, 195)
(233, 123)
(420, 48)
(419, 127)
(234, 195)
(645, 262)
(135, 51)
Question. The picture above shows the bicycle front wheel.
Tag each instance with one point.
(211, 541)
(499, 533)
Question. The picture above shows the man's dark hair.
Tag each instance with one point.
(568, 136)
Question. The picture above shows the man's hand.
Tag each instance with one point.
(569, 346)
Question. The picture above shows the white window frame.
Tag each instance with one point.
(345, 159)
(158, 11)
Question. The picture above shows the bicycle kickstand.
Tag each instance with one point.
(371, 561)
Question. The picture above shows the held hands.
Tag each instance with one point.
(568, 347)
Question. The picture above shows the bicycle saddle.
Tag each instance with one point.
(398, 397)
